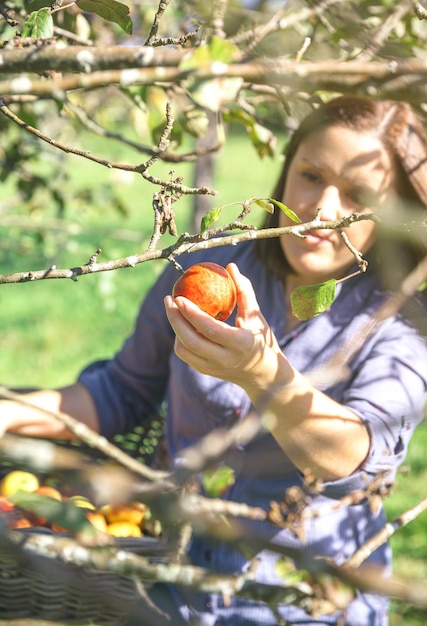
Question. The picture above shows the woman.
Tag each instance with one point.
(349, 156)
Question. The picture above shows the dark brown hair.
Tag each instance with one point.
(400, 130)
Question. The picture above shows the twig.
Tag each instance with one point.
(380, 36)
(419, 10)
(163, 5)
(384, 534)
(195, 505)
(163, 143)
(164, 216)
(214, 446)
(303, 49)
(141, 169)
(362, 263)
(166, 157)
(58, 5)
(72, 36)
(217, 21)
(282, 22)
(10, 21)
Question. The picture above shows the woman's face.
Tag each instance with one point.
(340, 172)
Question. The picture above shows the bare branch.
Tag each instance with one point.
(399, 80)
(282, 22)
(163, 5)
(362, 263)
(218, 13)
(10, 20)
(140, 169)
(382, 33)
(92, 125)
(385, 533)
(185, 243)
(419, 10)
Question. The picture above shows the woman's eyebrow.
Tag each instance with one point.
(361, 186)
(308, 161)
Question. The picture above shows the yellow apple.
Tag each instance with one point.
(133, 513)
(124, 529)
(18, 480)
(98, 520)
(82, 502)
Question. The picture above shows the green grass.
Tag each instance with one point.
(51, 329)
(409, 543)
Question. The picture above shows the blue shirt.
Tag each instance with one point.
(386, 387)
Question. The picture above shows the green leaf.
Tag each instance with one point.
(263, 139)
(216, 482)
(286, 570)
(64, 514)
(109, 10)
(39, 25)
(42, 505)
(263, 204)
(308, 301)
(217, 50)
(286, 210)
(209, 218)
(195, 121)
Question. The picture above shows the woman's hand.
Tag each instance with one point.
(33, 417)
(245, 354)
(318, 434)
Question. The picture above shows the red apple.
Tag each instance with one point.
(210, 286)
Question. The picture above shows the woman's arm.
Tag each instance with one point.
(317, 433)
(74, 400)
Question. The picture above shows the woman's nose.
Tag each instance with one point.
(329, 203)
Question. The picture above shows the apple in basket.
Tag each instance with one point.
(18, 480)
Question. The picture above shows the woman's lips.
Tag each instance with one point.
(317, 237)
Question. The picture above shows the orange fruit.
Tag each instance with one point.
(210, 286)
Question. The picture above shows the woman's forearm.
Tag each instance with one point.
(317, 433)
(33, 421)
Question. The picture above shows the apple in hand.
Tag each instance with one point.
(210, 286)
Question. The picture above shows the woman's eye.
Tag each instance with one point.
(311, 177)
(363, 197)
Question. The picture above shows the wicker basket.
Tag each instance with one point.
(40, 588)
(37, 587)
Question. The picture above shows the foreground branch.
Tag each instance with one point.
(185, 244)
(398, 79)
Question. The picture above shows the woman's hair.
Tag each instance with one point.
(402, 134)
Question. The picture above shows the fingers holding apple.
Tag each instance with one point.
(218, 349)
